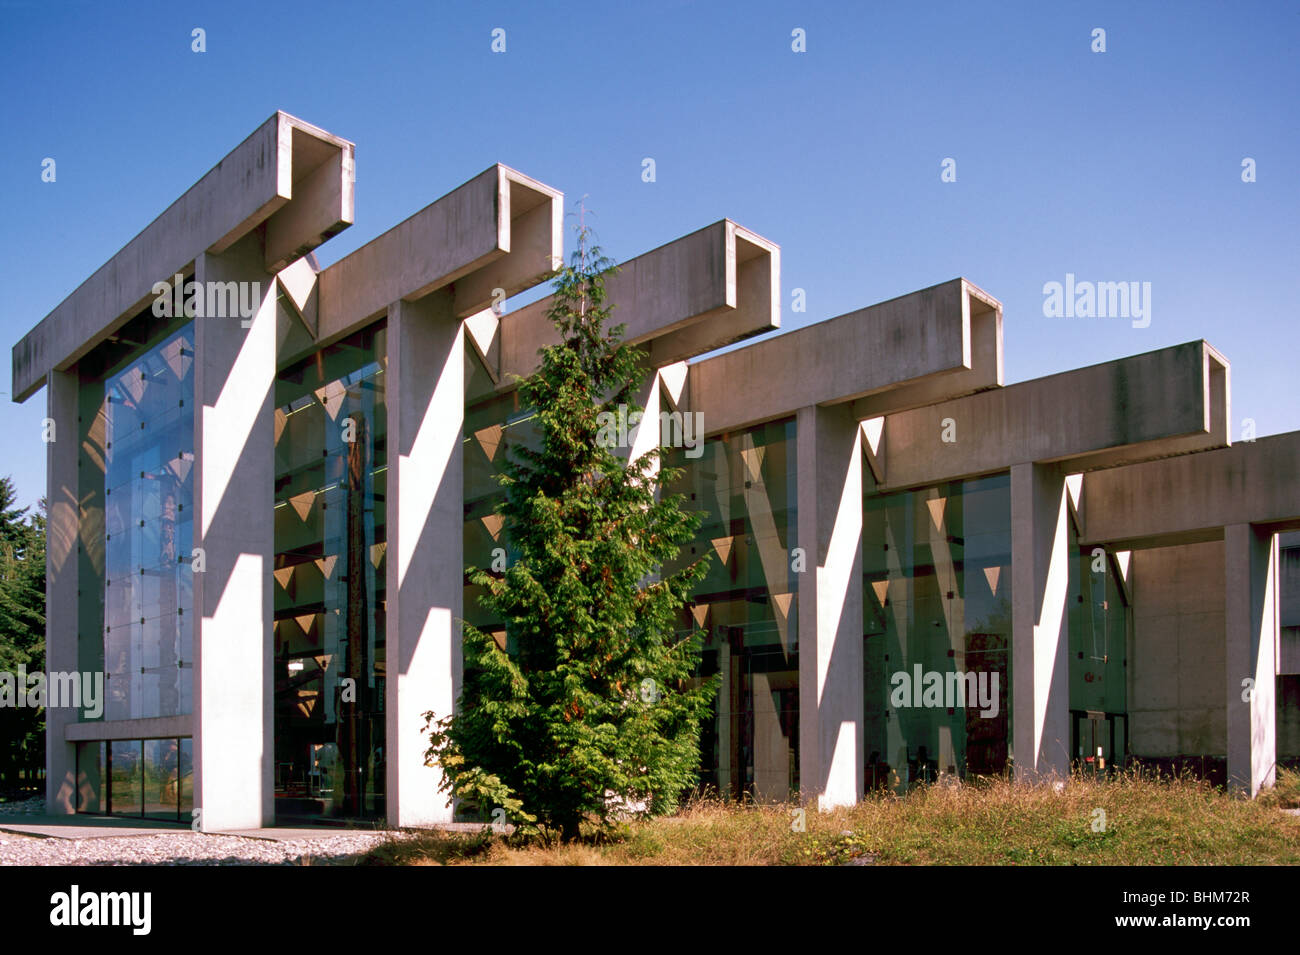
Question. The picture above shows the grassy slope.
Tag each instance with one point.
(1147, 822)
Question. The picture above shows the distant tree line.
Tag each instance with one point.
(22, 633)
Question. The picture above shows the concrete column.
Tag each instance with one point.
(234, 499)
(829, 448)
(1040, 644)
(1251, 625)
(425, 392)
(61, 581)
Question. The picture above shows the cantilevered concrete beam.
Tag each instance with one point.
(935, 344)
(292, 177)
(496, 235)
(1194, 497)
(713, 287)
(1161, 403)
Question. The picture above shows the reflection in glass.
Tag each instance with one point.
(125, 777)
(329, 580)
(161, 782)
(1098, 621)
(185, 774)
(744, 487)
(937, 631)
(91, 759)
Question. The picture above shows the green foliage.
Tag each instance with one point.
(591, 712)
(22, 628)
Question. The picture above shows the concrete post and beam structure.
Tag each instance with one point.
(496, 235)
(896, 397)
(938, 343)
(1165, 402)
(1244, 497)
(283, 191)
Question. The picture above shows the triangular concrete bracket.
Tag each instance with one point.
(873, 446)
(483, 330)
(298, 283)
(673, 379)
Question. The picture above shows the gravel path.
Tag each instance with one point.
(185, 848)
(177, 848)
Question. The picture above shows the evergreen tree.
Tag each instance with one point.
(591, 710)
(22, 628)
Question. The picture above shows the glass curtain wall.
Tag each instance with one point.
(1099, 624)
(148, 413)
(147, 650)
(151, 778)
(937, 631)
(744, 485)
(331, 544)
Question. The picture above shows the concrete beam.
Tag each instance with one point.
(291, 176)
(499, 231)
(711, 288)
(154, 727)
(938, 343)
(1166, 402)
(1193, 497)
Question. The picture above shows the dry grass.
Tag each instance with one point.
(1147, 821)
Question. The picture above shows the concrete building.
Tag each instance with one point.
(267, 478)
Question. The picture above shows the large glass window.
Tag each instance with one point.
(148, 414)
(330, 569)
(1098, 622)
(153, 778)
(744, 486)
(937, 631)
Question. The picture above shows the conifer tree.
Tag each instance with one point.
(22, 628)
(591, 710)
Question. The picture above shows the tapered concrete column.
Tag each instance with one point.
(425, 392)
(1251, 625)
(61, 574)
(234, 498)
(1040, 644)
(829, 446)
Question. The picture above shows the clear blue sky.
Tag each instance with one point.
(1115, 166)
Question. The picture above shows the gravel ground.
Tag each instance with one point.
(187, 848)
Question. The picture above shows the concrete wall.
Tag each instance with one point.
(1176, 664)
